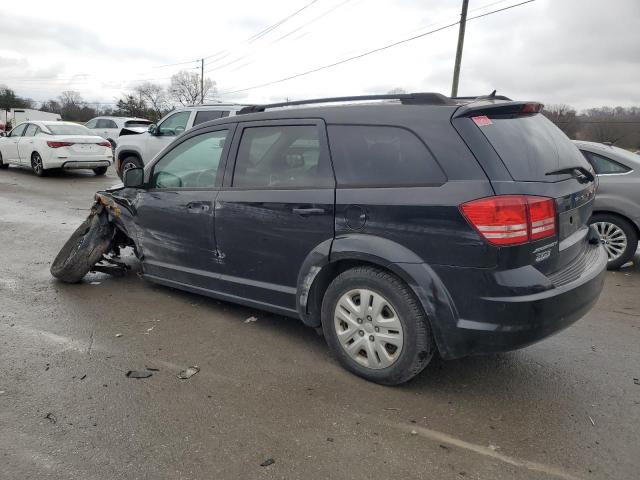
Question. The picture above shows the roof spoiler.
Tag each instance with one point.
(484, 107)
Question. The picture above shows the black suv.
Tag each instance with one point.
(401, 225)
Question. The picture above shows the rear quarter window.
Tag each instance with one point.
(381, 156)
(207, 115)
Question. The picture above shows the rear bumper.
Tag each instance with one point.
(513, 318)
(78, 164)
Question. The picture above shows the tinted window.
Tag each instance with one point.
(604, 165)
(192, 164)
(530, 146)
(18, 131)
(31, 130)
(206, 115)
(68, 129)
(381, 156)
(175, 124)
(281, 157)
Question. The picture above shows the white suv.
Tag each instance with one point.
(137, 149)
(109, 128)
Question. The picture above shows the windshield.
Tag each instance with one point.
(68, 130)
(531, 146)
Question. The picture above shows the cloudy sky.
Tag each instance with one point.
(583, 53)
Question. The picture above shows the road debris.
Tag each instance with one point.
(494, 447)
(95, 283)
(413, 432)
(592, 422)
(267, 462)
(139, 374)
(83, 376)
(118, 335)
(152, 369)
(636, 381)
(188, 372)
(329, 439)
(148, 330)
(392, 409)
(51, 417)
(251, 320)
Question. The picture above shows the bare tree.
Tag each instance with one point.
(155, 98)
(185, 87)
(565, 118)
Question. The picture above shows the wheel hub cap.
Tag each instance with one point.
(612, 238)
(368, 328)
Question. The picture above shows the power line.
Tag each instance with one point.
(260, 34)
(370, 52)
(174, 64)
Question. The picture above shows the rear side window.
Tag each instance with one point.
(381, 156)
(603, 165)
(531, 146)
(106, 123)
(282, 157)
(207, 115)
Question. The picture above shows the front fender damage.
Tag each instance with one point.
(94, 246)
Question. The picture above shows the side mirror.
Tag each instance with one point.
(153, 128)
(134, 178)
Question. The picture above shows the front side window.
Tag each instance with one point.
(603, 165)
(281, 157)
(31, 130)
(18, 131)
(174, 125)
(92, 123)
(192, 164)
(367, 155)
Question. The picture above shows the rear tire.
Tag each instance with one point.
(37, 165)
(84, 248)
(129, 162)
(2, 164)
(387, 348)
(618, 236)
(100, 170)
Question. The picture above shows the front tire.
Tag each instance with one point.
(376, 327)
(129, 162)
(100, 170)
(618, 236)
(37, 165)
(2, 164)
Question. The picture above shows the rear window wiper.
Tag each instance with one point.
(581, 173)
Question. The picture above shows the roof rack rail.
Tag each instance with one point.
(425, 98)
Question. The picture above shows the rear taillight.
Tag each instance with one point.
(106, 143)
(59, 144)
(512, 219)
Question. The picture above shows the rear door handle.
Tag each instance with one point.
(309, 211)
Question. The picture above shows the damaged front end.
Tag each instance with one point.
(95, 245)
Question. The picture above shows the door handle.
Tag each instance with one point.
(198, 207)
(304, 212)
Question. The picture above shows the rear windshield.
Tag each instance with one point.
(69, 130)
(137, 123)
(531, 146)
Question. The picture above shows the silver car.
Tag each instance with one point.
(616, 214)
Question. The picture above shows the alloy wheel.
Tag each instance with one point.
(368, 328)
(36, 163)
(612, 238)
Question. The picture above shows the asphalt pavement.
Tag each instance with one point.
(268, 392)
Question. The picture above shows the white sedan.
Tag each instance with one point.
(50, 145)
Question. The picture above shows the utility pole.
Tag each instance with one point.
(456, 69)
(202, 80)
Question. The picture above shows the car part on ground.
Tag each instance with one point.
(448, 223)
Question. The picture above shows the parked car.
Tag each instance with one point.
(137, 149)
(109, 128)
(401, 227)
(616, 213)
(47, 145)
